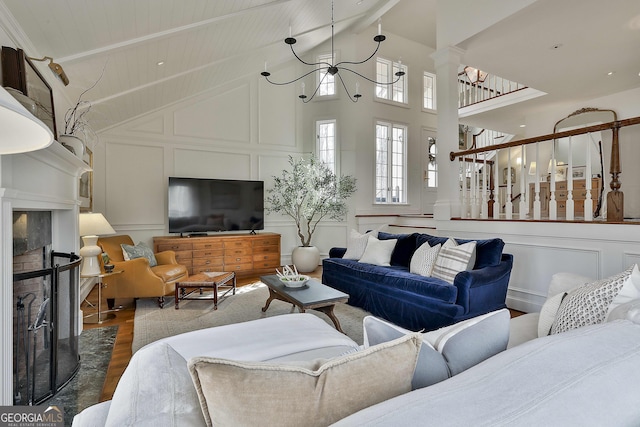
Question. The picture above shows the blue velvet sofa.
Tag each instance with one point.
(416, 302)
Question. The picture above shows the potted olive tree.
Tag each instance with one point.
(309, 193)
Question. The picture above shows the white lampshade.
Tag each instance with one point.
(94, 224)
(532, 168)
(91, 226)
(20, 131)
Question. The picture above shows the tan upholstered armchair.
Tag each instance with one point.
(138, 279)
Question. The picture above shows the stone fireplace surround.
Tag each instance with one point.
(48, 180)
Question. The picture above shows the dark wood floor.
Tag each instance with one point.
(124, 320)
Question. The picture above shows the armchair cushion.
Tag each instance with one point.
(140, 250)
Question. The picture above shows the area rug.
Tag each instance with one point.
(152, 323)
(84, 389)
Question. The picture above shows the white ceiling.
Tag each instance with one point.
(205, 44)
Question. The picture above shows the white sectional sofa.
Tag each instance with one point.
(457, 376)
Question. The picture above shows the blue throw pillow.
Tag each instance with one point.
(405, 247)
(488, 251)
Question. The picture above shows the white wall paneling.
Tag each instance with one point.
(135, 184)
(211, 164)
(224, 116)
(276, 111)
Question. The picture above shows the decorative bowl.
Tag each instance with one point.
(295, 282)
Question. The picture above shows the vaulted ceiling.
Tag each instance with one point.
(204, 44)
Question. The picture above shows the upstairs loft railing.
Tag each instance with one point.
(473, 91)
(569, 190)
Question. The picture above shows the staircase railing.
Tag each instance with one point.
(492, 87)
(478, 183)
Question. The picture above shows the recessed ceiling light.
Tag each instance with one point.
(159, 63)
(523, 126)
(611, 73)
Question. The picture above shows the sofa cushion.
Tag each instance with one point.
(454, 258)
(168, 390)
(450, 350)
(140, 250)
(588, 304)
(423, 259)
(404, 249)
(488, 251)
(391, 279)
(357, 243)
(378, 252)
(311, 394)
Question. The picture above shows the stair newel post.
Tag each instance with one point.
(615, 198)
(588, 202)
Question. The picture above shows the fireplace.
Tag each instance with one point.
(45, 318)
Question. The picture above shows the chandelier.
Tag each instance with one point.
(325, 68)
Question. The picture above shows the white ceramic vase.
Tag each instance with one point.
(306, 258)
(74, 142)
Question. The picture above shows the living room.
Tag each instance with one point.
(220, 119)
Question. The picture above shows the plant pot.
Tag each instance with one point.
(76, 144)
(306, 258)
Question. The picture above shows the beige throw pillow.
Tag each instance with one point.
(454, 258)
(243, 393)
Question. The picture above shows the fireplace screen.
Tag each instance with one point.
(45, 328)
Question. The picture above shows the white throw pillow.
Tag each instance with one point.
(378, 252)
(630, 291)
(454, 258)
(423, 259)
(548, 313)
(164, 397)
(357, 243)
(588, 304)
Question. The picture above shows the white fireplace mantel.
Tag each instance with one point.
(46, 179)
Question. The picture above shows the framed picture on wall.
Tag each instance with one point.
(85, 187)
(579, 172)
(505, 175)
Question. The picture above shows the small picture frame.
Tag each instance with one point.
(505, 175)
(579, 172)
(85, 186)
(561, 172)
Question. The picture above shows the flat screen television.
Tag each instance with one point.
(199, 205)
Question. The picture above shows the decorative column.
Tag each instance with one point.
(447, 61)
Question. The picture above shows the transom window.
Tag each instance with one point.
(391, 159)
(326, 143)
(385, 72)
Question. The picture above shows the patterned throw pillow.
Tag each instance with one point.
(423, 259)
(588, 304)
(139, 251)
(454, 259)
(357, 243)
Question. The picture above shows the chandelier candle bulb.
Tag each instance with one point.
(302, 88)
(379, 26)
(357, 87)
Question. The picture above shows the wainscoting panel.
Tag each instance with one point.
(221, 117)
(211, 164)
(529, 282)
(135, 184)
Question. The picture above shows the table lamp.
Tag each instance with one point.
(91, 226)
(20, 131)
